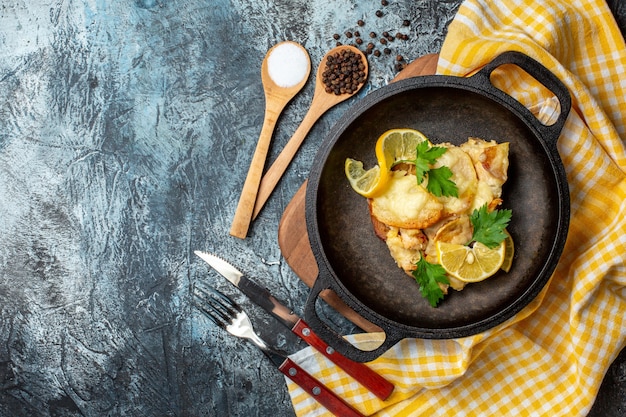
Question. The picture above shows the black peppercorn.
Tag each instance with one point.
(384, 2)
(343, 73)
(369, 46)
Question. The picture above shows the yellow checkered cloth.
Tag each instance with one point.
(551, 357)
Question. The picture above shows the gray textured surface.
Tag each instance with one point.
(126, 129)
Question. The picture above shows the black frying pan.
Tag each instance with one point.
(357, 265)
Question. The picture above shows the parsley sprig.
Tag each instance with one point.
(439, 182)
(428, 276)
(489, 226)
(489, 229)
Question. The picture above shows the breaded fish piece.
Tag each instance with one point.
(463, 175)
(491, 163)
(405, 246)
(405, 204)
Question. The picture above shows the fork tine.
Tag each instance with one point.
(210, 313)
(216, 305)
(205, 302)
(226, 303)
(224, 312)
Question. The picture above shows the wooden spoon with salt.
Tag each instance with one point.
(284, 71)
(322, 102)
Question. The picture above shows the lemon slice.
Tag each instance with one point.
(509, 251)
(392, 146)
(396, 145)
(364, 182)
(470, 264)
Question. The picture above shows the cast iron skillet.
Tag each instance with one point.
(355, 264)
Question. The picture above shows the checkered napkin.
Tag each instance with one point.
(551, 357)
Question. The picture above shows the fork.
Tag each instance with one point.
(225, 313)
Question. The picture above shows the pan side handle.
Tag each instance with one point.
(336, 340)
(539, 73)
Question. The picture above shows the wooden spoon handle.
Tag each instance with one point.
(278, 168)
(245, 207)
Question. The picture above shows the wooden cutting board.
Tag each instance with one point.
(292, 234)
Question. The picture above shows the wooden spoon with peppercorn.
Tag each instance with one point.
(342, 73)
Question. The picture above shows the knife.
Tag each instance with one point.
(378, 385)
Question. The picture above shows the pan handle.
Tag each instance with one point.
(541, 74)
(336, 340)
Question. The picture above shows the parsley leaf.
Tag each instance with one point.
(439, 182)
(428, 276)
(426, 156)
(489, 226)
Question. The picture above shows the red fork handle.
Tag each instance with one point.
(317, 390)
(378, 385)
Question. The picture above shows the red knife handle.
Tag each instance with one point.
(317, 390)
(378, 385)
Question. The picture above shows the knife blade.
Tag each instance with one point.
(367, 377)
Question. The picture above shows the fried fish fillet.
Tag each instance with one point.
(491, 163)
(411, 220)
(463, 175)
(405, 204)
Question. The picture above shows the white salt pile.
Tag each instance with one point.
(287, 64)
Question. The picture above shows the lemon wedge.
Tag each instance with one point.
(397, 145)
(391, 147)
(509, 251)
(470, 264)
(364, 182)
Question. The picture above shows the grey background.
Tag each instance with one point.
(126, 131)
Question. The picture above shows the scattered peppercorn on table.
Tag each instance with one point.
(126, 130)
